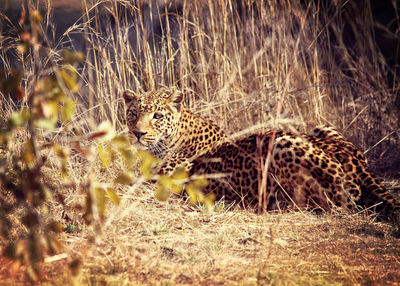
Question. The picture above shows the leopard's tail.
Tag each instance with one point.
(375, 196)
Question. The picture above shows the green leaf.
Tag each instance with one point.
(71, 229)
(124, 178)
(104, 155)
(127, 155)
(18, 118)
(28, 155)
(194, 190)
(67, 110)
(209, 200)
(69, 77)
(121, 141)
(170, 184)
(62, 153)
(100, 199)
(180, 174)
(148, 160)
(200, 182)
(112, 195)
(49, 109)
(44, 123)
(36, 16)
(193, 194)
(162, 193)
(50, 89)
(73, 57)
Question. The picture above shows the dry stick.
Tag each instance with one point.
(380, 141)
(262, 192)
(287, 195)
(170, 61)
(355, 118)
(85, 11)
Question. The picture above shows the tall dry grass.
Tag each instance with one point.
(236, 60)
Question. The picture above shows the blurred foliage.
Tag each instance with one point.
(25, 192)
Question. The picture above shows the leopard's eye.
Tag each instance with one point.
(157, 115)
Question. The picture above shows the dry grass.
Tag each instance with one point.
(145, 242)
(173, 244)
(235, 66)
(237, 60)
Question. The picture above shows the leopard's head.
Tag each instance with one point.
(153, 117)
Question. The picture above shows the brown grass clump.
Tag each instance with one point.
(237, 61)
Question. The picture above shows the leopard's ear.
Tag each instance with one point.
(130, 96)
(176, 98)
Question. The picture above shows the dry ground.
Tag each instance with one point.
(145, 242)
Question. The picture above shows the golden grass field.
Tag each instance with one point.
(246, 66)
(145, 242)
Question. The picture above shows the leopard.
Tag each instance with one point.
(275, 169)
(161, 124)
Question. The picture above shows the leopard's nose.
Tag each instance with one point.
(138, 134)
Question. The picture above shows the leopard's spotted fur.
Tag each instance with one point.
(320, 170)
